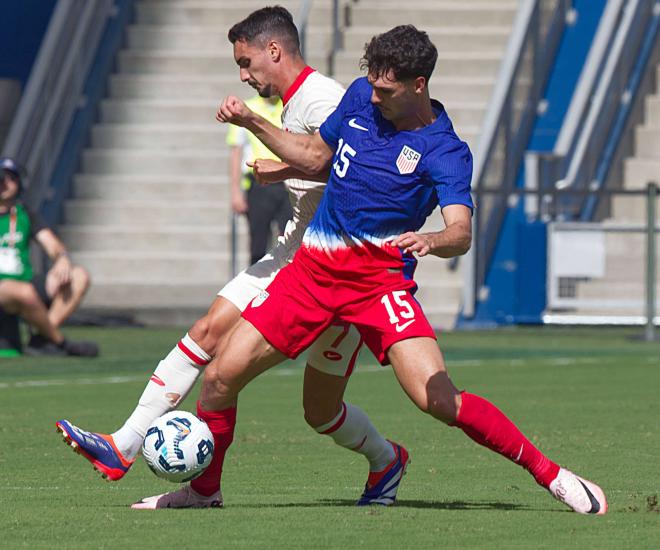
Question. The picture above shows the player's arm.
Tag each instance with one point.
(238, 201)
(56, 251)
(309, 154)
(453, 240)
(268, 171)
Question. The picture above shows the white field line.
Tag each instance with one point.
(288, 371)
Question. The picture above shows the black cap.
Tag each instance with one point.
(10, 165)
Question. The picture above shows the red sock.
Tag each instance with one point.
(487, 425)
(221, 424)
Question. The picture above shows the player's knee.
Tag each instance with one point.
(27, 295)
(217, 386)
(199, 332)
(444, 406)
(81, 278)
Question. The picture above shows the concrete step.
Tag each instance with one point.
(630, 209)
(155, 267)
(212, 89)
(206, 38)
(159, 136)
(138, 295)
(221, 15)
(638, 172)
(652, 110)
(647, 142)
(176, 238)
(193, 112)
(604, 289)
(186, 64)
(447, 38)
(145, 161)
(166, 187)
(455, 14)
(473, 65)
(166, 86)
(133, 213)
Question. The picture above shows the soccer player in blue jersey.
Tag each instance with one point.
(394, 157)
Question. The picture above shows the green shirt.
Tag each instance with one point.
(17, 227)
(252, 147)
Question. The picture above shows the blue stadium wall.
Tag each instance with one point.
(516, 276)
(94, 90)
(24, 24)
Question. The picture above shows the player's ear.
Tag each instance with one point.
(274, 50)
(420, 84)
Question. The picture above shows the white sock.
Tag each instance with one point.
(173, 378)
(352, 429)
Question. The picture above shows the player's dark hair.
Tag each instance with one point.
(267, 23)
(404, 50)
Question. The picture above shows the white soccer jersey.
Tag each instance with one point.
(307, 103)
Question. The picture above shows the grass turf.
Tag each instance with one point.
(587, 397)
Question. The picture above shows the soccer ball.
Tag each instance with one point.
(178, 446)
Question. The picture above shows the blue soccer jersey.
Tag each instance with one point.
(385, 182)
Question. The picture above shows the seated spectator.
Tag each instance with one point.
(46, 301)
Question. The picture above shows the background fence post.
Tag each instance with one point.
(652, 191)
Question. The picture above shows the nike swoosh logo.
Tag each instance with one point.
(595, 505)
(400, 328)
(520, 453)
(355, 125)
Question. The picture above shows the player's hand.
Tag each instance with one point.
(239, 203)
(234, 110)
(60, 275)
(268, 170)
(411, 242)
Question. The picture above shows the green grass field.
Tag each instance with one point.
(588, 398)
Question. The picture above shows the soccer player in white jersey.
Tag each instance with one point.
(266, 48)
(394, 157)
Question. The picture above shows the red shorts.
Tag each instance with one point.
(305, 298)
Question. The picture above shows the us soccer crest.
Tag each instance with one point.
(407, 161)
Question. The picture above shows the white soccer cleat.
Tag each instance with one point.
(186, 497)
(582, 496)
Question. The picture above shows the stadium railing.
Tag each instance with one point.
(594, 126)
(54, 90)
(534, 39)
(569, 250)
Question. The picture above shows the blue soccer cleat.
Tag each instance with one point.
(99, 449)
(381, 487)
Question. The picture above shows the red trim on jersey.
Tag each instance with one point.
(339, 422)
(196, 358)
(297, 83)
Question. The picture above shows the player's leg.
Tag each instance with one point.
(420, 369)
(287, 317)
(242, 355)
(331, 361)
(260, 217)
(21, 298)
(174, 377)
(66, 299)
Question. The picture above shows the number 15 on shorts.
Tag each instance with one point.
(399, 309)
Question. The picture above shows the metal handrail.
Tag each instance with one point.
(594, 125)
(54, 88)
(302, 18)
(508, 124)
